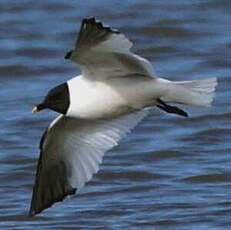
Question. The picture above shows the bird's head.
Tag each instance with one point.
(57, 99)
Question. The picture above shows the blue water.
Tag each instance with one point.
(171, 172)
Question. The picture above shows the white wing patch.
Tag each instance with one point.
(71, 153)
(88, 141)
(115, 43)
(105, 53)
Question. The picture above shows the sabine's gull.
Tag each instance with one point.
(99, 107)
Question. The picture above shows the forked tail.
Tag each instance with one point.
(197, 93)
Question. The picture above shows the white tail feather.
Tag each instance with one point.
(198, 92)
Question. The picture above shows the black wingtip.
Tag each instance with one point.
(34, 212)
(89, 19)
(95, 22)
(31, 213)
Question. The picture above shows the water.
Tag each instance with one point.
(171, 172)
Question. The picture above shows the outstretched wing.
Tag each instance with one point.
(71, 151)
(103, 53)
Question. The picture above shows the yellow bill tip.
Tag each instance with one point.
(35, 109)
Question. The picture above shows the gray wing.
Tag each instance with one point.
(71, 151)
(103, 53)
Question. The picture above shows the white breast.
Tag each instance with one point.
(102, 99)
(92, 99)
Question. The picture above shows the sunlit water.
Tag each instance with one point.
(171, 172)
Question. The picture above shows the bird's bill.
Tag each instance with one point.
(34, 109)
(39, 107)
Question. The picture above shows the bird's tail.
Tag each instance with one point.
(197, 93)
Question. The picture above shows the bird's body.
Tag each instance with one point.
(99, 107)
(112, 97)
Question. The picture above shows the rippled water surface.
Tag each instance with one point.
(171, 172)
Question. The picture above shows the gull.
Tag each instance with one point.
(115, 91)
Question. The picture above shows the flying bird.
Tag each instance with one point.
(113, 94)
